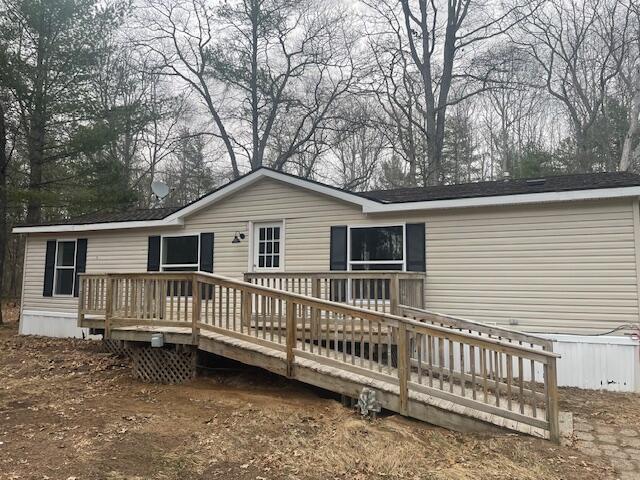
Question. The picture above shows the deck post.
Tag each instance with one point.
(315, 313)
(246, 309)
(403, 368)
(108, 311)
(394, 294)
(291, 336)
(81, 302)
(195, 310)
(551, 383)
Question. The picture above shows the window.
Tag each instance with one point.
(376, 248)
(180, 254)
(268, 246)
(65, 267)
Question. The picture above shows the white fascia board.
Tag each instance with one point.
(324, 190)
(262, 173)
(219, 194)
(90, 227)
(516, 199)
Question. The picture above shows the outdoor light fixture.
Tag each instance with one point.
(237, 237)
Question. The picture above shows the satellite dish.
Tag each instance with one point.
(160, 189)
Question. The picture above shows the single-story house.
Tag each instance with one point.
(558, 256)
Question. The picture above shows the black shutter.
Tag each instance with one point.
(416, 249)
(153, 254)
(206, 252)
(338, 248)
(49, 268)
(81, 263)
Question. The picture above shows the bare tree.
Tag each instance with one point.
(630, 79)
(440, 40)
(357, 144)
(4, 165)
(260, 67)
(580, 48)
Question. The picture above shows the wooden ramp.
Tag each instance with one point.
(443, 370)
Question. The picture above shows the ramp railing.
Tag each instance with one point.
(418, 360)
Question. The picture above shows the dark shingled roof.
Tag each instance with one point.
(560, 183)
(133, 215)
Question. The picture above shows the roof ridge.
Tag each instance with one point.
(503, 180)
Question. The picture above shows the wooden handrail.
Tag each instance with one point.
(380, 290)
(466, 324)
(393, 320)
(372, 274)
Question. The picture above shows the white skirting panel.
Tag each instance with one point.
(50, 324)
(598, 363)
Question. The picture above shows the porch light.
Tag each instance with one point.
(237, 237)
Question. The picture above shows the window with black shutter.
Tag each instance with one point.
(64, 261)
(180, 253)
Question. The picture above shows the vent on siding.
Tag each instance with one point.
(536, 181)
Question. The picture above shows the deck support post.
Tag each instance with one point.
(315, 313)
(81, 302)
(551, 384)
(195, 311)
(246, 309)
(403, 368)
(291, 336)
(394, 294)
(108, 310)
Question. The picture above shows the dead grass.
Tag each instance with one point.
(68, 410)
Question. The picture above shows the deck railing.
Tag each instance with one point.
(420, 359)
(381, 291)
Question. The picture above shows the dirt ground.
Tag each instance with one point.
(70, 411)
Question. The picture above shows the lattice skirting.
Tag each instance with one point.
(116, 347)
(174, 364)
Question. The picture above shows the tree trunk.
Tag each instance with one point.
(256, 156)
(4, 161)
(35, 139)
(35, 148)
(634, 129)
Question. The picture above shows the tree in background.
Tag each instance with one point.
(267, 71)
(630, 83)
(580, 49)
(48, 52)
(440, 42)
(4, 197)
(189, 174)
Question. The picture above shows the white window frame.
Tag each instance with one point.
(255, 245)
(55, 267)
(350, 294)
(402, 262)
(179, 265)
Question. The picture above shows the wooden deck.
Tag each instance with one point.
(443, 370)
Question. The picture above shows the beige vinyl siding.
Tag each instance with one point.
(565, 267)
(124, 251)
